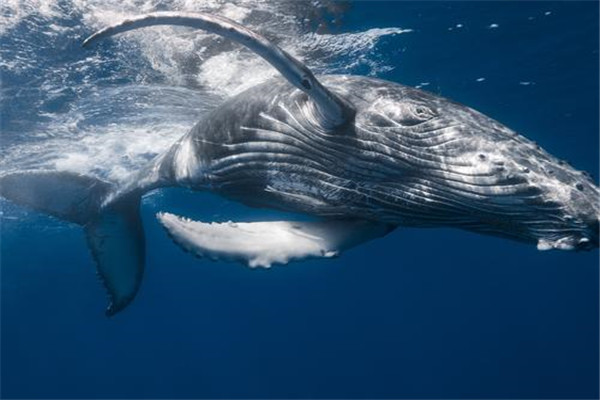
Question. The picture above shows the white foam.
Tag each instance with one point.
(233, 72)
(14, 11)
(347, 51)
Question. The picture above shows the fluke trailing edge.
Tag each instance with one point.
(362, 155)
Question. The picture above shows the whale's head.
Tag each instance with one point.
(442, 163)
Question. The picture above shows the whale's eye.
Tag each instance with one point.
(414, 114)
(386, 113)
(422, 112)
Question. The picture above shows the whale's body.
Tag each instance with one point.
(361, 156)
(456, 167)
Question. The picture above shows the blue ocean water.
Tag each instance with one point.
(430, 313)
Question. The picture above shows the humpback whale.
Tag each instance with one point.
(360, 156)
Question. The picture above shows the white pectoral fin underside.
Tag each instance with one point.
(261, 244)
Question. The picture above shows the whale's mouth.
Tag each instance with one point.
(579, 242)
(566, 243)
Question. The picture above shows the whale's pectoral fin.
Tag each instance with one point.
(332, 110)
(266, 243)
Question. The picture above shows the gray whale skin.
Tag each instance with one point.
(361, 156)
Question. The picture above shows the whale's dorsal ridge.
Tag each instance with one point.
(333, 111)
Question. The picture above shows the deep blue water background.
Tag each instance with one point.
(420, 313)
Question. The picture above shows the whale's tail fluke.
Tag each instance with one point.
(113, 230)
